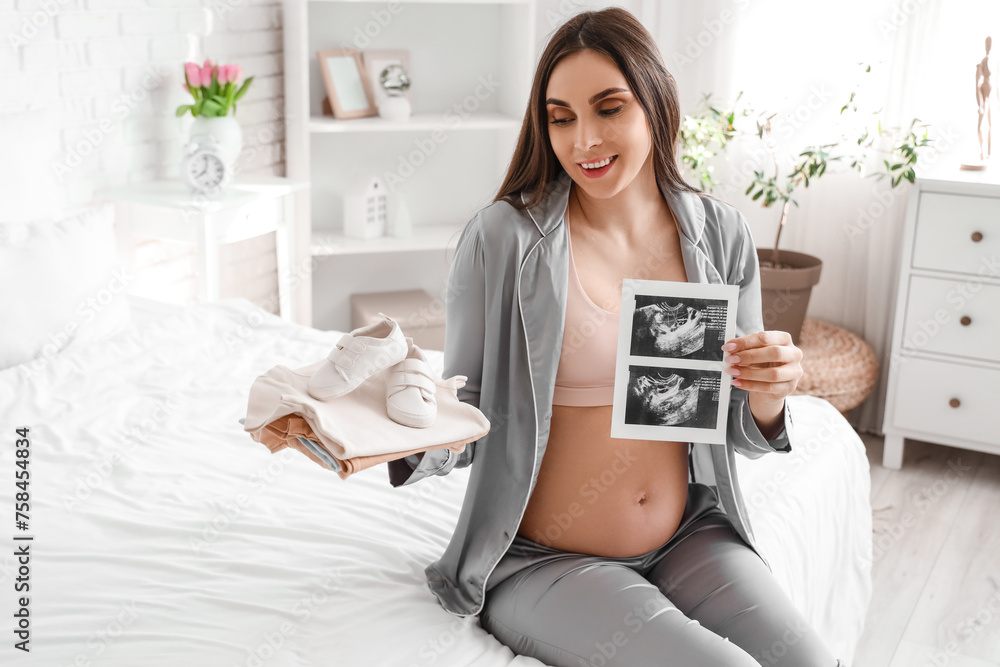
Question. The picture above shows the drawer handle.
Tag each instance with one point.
(977, 237)
(966, 320)
(954, 402)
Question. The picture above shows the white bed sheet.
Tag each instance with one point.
(165, 535)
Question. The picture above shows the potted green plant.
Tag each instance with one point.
(787, 277)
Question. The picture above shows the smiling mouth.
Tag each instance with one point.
(603, 162)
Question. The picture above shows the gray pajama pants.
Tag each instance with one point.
(702, 599)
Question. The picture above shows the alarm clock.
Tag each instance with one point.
(203, 168)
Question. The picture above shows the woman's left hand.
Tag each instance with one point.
(766, 362)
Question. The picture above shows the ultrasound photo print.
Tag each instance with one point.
(678, 327)
(670, 379)
(665, 396)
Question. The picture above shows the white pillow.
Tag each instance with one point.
(60, 285)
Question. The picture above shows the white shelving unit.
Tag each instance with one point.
(471, 67)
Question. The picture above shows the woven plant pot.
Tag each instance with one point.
(785, 291)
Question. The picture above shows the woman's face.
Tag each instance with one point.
(592, 116)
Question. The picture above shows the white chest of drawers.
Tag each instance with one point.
(944, 370)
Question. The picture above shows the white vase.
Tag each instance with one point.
(225, 129)
(395, 108)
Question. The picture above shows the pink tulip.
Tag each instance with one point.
(225, 74)
(206, 76)
(235, 73)
(208, 63)
(193, 74)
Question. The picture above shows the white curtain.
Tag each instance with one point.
(800, 59)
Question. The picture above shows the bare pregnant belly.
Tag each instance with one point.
(601, 495)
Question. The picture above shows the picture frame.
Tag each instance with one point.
(348, 88)
(375, 61)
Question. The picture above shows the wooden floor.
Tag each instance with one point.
(936, 559)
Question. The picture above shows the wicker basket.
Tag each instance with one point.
(837, 365)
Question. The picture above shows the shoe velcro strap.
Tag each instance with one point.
(404, 379)
(414, 366)
(347, 348)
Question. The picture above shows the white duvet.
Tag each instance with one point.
(164, 535)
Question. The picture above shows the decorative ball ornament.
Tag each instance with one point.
(395, 81)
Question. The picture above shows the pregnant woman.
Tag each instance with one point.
(574, 547)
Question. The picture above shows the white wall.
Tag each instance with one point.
(110, 72)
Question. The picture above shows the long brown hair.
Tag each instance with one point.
(617, 34)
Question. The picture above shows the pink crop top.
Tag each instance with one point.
(586, 371)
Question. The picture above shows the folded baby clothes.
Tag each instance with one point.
(354, 428)
(347, 468)
(285, 432)
(295, 432)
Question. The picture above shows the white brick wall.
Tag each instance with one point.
(112, 70)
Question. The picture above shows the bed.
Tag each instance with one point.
(164, 535)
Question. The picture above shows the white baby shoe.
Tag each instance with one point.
(357, 356)
(410, 390)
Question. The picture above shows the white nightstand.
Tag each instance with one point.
(944, 371)
(250, 207)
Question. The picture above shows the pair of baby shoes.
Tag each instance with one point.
(360, 354)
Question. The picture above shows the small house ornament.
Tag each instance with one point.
(365, 208)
